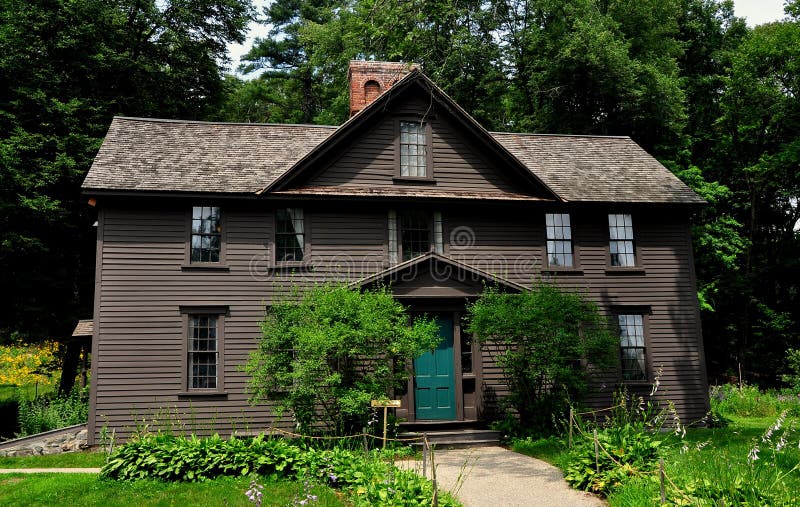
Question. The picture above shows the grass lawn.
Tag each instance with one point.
(67, 460)
(713, 462)
(77, 490)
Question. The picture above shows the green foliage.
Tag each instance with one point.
(46, 413)
(324, 357)
(793, 365)
(549, 342)
(750, 401)
(625, 451)
(67, 67)
(367, 482)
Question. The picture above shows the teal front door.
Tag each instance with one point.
(434, 380)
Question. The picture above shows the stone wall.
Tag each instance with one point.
(51, 442)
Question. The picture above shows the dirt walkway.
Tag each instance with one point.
(493, 476)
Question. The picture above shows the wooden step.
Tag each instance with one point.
(456, 438)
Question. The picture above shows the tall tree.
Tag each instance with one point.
(65, 68)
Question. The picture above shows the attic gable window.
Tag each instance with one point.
(620, 231)
(414, 149)
(206, 237)
(290, 235)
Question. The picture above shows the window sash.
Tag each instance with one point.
(413, 149)
(203, 352)
(415, 235)
(289, 235)
(206, 236)
(559, 239)
(620, 231)
(632, 346)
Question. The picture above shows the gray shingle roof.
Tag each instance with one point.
(182, 156)
(186, 156)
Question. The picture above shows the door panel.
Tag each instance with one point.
(434, 380)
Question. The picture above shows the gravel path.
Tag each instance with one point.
(493, 477)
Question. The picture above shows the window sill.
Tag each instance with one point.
(204, 267)
(627, 271)
(413, 179)
(203, 394)
(292, 265)
(468, 376)
(563, 271)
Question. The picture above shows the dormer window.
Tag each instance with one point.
(413, 148)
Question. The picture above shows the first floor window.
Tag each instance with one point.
(206, 240)
(559, 239)
(203, 351)
(632, 346)
(290, 242)
(620, 231)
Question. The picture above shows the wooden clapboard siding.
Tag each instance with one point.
(370, 159)
(139, 347)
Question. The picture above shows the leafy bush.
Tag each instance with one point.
(47, 413)
(367, 481)
(625, 452)
(543, 339)
(324, 357)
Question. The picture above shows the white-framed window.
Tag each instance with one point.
(621, 247)
(632, 346)
(559, 240)
(413, 149)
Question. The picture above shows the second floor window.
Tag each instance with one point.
(290, 242)
(206, 239)
(620, 230)
(415, 234)
(413, 150)
(559, 239)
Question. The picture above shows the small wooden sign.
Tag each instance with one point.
(385, 403)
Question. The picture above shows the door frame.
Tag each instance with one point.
(454, 310)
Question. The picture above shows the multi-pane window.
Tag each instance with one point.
(620, 230)
(415, 234)
(206, 239)
(289, 235)
(559, 239)
(413, 149)
(203, 351)
(632, 349)
(466, 349)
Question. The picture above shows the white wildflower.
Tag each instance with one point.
(700, 445)
(685, 449)
(781, 443)
(753, 456)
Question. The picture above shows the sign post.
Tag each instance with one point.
(385, 404)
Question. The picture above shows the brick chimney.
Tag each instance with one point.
(369, 79)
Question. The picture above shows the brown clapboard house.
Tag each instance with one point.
(202, 225)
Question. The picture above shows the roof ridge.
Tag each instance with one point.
(534, 134)
(201, 122)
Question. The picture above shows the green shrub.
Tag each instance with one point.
(312, 358)
(625, 452)
(47, 413)
(793, 364)
(366, 481)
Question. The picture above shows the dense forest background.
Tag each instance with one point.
(716, 101)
